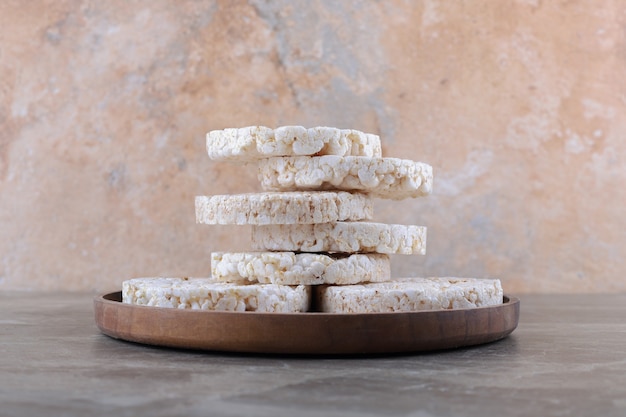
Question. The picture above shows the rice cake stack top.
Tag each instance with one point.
(311, 225)
(253, 143)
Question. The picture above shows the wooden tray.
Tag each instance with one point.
(305, 333)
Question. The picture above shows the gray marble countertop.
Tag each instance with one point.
(566, 358)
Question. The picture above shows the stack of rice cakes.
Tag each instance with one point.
(314, 245)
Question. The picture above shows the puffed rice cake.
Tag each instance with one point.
(345, 237)
(283, 208)
(207, 294)
(409, 294)
(390, 178)
(251, 143)
(289, 268)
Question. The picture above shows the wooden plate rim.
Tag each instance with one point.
(110, 312)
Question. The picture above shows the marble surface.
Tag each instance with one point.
(519, 106)
(566, 358)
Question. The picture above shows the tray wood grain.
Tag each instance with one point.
(305, 333)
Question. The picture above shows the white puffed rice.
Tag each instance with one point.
(390, 178)
(255, 142)
(207, 294)
(410, 294)
(283, 208)
(346, 237)
(288, 268)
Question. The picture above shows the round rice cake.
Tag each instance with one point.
(289, 268)
(252, 143)
(207, 294)
(409, 294)
(345, 237)
(390, 178)
(283, 208)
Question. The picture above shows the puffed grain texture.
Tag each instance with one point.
(288, 268)
(207, 294)
(409, 294)
(346, 237)
(390, 178)
(251, 143)
(283, 208)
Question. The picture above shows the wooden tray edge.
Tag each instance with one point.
(306, 333)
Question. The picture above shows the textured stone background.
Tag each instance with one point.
(520, 108)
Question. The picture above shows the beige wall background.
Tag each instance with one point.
(520, 106)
